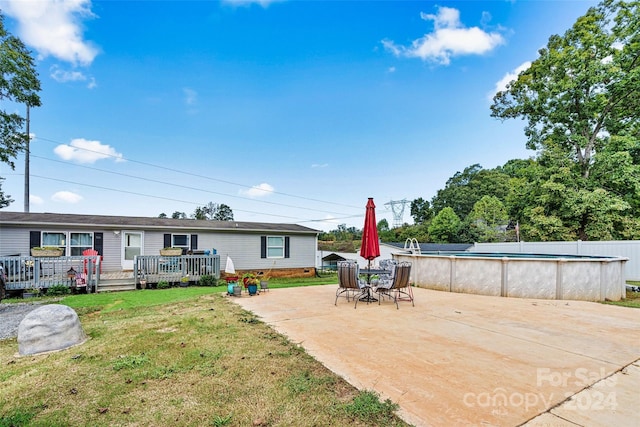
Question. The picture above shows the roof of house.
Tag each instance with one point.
(147, 223)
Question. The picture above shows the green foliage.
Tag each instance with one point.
(163, 284)
(220, 421)
(421, 211)
(487, 221)
(19, 417)
(366, 406)
(18, 84)
(130, 362)
(213, 211)
(445, 227)
(465, 188)
(207, 280)
(58, 289)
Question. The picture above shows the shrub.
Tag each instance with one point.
(163, 284)
(58, 289)
(207, 280)
(222, 282)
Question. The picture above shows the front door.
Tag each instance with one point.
(131, 246)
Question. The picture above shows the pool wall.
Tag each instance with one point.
(520, 276)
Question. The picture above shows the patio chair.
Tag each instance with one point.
(389, 265)
(399, 288)
(349, 282)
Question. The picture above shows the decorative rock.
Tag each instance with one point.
(49, 328)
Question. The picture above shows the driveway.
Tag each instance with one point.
(470, 360)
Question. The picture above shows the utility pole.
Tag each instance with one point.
(26, 167)
(397, 207)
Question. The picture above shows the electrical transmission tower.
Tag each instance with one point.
(397, 207)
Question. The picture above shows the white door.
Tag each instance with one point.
(131, 246)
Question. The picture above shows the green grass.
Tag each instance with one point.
(179, 357)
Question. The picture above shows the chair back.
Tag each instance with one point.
(402, 273)
(348, 275)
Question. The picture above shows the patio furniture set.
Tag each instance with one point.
(392, 282)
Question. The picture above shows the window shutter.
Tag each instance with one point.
(98, 242)
(286, 247)
(263, 246)
(167, 240)
(194, 242)
(34, 239)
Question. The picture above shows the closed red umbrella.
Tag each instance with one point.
(370, 248)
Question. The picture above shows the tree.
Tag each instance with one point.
(179, 215)
(163, 215)
(488, 219)
(4, 200)
(18, 84)
(224, 213)
(581, 101)
(465, 188)
(213, 211)
(421, 211)
(445, 226)
(584, 86)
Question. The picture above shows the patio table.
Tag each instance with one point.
(370, 272)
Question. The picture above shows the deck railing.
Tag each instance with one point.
(174, 269)
(31, 273)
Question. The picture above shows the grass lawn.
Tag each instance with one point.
(632, 299)
(178, 357)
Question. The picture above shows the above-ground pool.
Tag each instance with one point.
(571, 277)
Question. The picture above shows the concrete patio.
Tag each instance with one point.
(469, 360)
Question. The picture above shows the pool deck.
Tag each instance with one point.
(471, 360)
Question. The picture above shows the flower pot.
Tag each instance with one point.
(143, 284)
(171, 252)
(49, 252)
(230, 287)
(237, 291)
(264, 285)
(253, 289)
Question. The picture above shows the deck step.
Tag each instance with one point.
(116, 285)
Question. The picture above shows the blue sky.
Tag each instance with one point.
(286, 111)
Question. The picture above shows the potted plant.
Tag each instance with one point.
(171, 251)
(184, 281)
(264, 282)
(251, 283)
(44, 251)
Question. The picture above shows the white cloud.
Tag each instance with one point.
(190, 96)
(84, 151)
(391, 70)
(449, 38)
(53, 27)
(63, 76)
(260, 190)
(66, 197)
(322, 165)
(509, 77)
(36, 200)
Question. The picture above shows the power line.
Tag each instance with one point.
(184, 186)
(164, 169)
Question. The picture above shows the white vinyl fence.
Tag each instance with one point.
(619, 248)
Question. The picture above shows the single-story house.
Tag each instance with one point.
(280, 249)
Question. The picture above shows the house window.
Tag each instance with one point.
(55, 239)
(275, 247)
(79, 242)
(180, 241)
